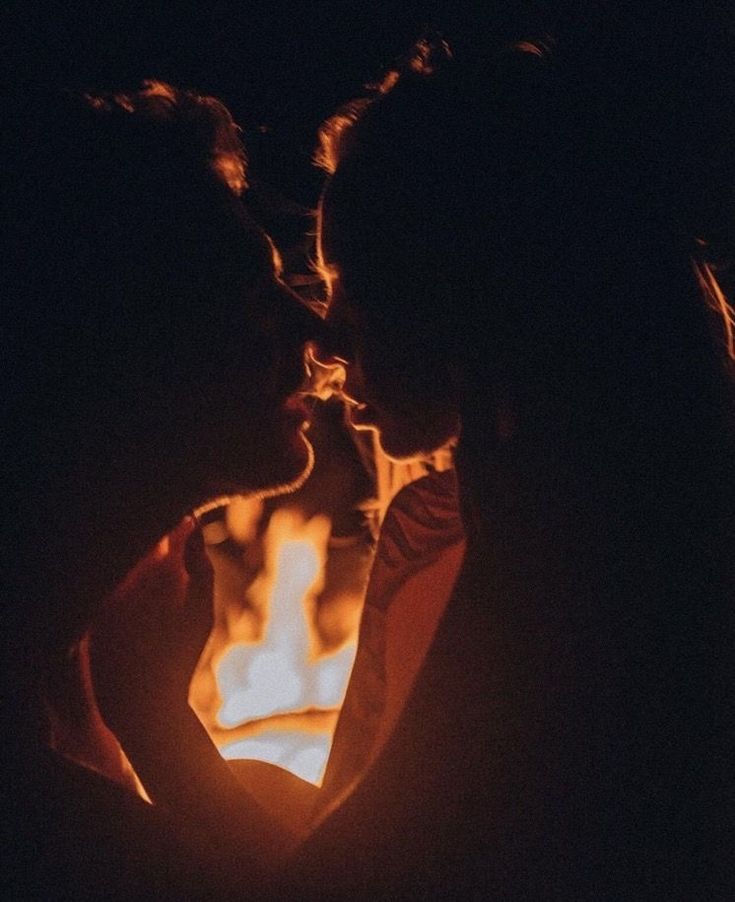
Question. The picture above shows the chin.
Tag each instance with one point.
(280, 464)
(413, 430)
(287, 472)
(406, 438)
(283, 459)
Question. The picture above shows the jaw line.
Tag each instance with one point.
(285, 488)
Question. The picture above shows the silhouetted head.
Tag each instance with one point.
(496, 222)
(149, 345)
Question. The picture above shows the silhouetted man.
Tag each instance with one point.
(149, 353)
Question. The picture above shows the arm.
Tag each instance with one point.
(422, 533)
(144, 648)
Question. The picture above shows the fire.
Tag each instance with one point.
(278, 691)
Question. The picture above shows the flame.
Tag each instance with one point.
(267, 680)
(719, 303)
(278, 692)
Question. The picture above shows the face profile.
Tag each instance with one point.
(393, 387)
(261, 439)
(516, 276)
(167, 353)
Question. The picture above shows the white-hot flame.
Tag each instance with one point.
(280, 694)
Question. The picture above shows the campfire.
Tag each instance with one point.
(290, 581)
(273, 677)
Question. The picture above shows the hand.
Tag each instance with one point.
(151, 631)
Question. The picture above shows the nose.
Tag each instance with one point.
(295, 327)
(324, 378)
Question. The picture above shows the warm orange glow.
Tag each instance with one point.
(719, 303)
(426, 53)
(332, 134)
(324, 377)
(277, 693)
(227, 158)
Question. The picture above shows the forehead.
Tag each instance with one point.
(358, 223)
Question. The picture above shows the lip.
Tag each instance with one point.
(361, 416)
(350, 400)
(324, 377)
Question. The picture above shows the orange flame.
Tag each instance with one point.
(278, 693)
(719, 304)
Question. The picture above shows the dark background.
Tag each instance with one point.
(285, 66)
(270, 61)
(282, 67)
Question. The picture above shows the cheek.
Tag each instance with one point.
(405, 438)
(397, 382)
